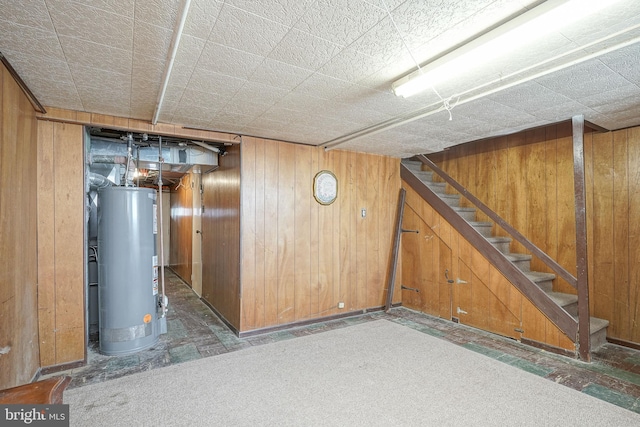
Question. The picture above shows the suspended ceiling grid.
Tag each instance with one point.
(316, 71)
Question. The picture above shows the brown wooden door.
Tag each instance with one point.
(482, 297)
(425, 257)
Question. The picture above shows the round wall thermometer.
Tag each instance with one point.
(325, 187)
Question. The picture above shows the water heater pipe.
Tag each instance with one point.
(160, 228)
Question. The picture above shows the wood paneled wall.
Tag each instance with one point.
(300, 259)
(182, 228)
(613, 227)
(221, 237)
(527, 179)
(483, 298)
(19, 359)
(61, 258)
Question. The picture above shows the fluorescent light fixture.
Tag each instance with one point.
(549, 17)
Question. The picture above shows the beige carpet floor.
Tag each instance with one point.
(373, 374)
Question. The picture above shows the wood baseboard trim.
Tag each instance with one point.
(220, 316)
(623, 343)
(276, 328)
(62, 367)
(550, 348)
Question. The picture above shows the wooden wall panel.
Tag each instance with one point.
(181, 228)
(18, 246)
(313, 256)
(613, 228)
(61, 258)
(633, 257)
(538, 199)
(527, 179)
(566, 206)
(221, 237)
(602, 272)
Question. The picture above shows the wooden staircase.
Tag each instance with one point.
(568, 302)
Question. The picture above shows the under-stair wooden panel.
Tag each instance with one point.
(479, 281)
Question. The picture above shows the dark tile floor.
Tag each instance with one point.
(195, 332)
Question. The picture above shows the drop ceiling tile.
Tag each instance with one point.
(285, 12)
(305, 105)
(99, 81)
(151, 40)
(363, 117)
(351, 65)
(187, 114)
(30, 13)
(493, 113)
(245, 31)
(624, 62)
(91, 24)
(34, 41)
(116, 95)
(193, 100)
(202, 17)
(246, 108)
(278, 74)
(118, 109)
(321, 86)
(161, 13)
(363, 97)
(224, 116)
(616, 17)
(203, 80)
(532, 94)
(420, 21)
(266, 124)
(465, 25)
(340, 21)
(304, 50)
(185, 61)
(147, 72)
(142, 112)
(385, 5)
(226, 60)
(32, 68)
(583, 80)
(120, 7)
(287, 116)
(382, 41)
(258, 93)
(51, 93)
(93, 54)
(615, 102)
(559, 112)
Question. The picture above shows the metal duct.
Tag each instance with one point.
(97, 181)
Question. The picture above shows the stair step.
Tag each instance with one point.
(562, 299)
(450, 199)
(522, 261)
(501, 243)
(468, 214)
(598, 328)
(543, 280)
(483, 227)
(424, 176)
(412, 164)
(437, 187)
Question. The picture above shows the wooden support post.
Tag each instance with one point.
(394, 252)
(584, 330)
